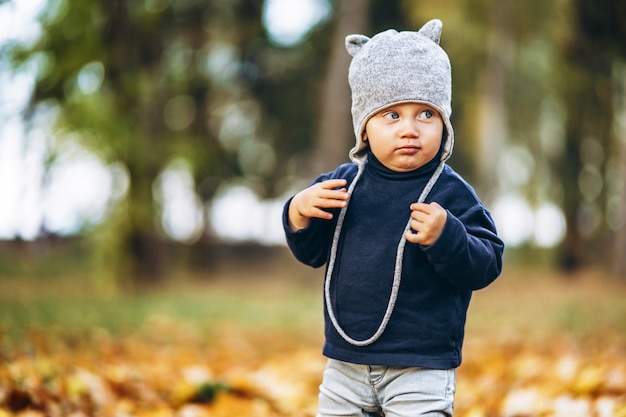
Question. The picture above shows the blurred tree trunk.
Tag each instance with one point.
(492, 130)
(571, 250)
(335, 135)
(589, 95)
(144, 249)
(588, 90)
(619, 248)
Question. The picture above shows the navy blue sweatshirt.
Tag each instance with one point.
(427, 325)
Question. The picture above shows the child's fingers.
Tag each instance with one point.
(314, 201)
(335, 194)
(428, 221)
(330, 184)
(412, 237)
(321, 214)
(427, 208)
(332, 201)
(333, 189)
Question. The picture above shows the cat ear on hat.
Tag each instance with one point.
(354, 43)
(432, 30)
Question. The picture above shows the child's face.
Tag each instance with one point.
(406, 136)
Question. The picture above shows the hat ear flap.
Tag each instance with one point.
(354, 43)
(432, 30)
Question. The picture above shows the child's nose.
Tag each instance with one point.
(409, 128)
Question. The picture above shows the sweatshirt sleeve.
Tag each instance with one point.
(469, 252)
(311, 244)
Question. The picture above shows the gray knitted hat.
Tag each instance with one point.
(395, 67)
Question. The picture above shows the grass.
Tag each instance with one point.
(72, 305)
(526, 303)
(521, 304)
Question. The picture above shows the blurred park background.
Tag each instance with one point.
(147, 148)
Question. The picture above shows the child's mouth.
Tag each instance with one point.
(408, 149)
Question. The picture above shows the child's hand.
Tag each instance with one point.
(311, 201)
(427, 221)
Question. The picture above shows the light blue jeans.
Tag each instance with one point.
(376, 391)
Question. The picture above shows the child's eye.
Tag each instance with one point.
(427, 114)
(392, 115)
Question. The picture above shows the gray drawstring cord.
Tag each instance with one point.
(397, 273)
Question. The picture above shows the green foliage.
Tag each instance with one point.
(145, 83)
(64, 306)
(207, 392)
(150, 82)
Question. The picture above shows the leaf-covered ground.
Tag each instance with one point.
(537, 345)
